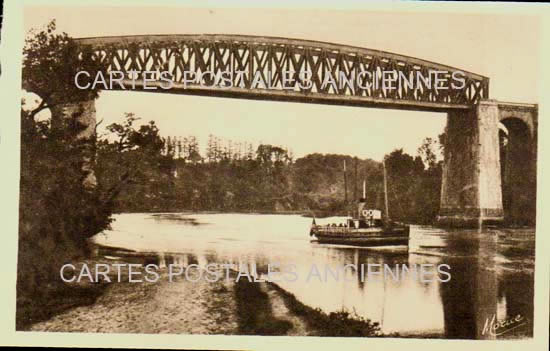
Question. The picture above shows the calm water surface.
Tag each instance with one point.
(492, 270)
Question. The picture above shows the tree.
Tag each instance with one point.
(124, 132)
(140, 162)
(403, 173)
(50, 63)
(428, 152)
(148, 139)
(194, 155)
(58, 214)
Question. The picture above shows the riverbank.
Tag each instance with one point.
(180, 306)
(305, 213)
(185, 305)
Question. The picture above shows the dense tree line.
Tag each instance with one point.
(171, 174)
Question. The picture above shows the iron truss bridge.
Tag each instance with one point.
(268, 68)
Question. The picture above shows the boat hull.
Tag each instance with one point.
(358, 237)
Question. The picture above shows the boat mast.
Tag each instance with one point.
(345, 187)
(385, 191)
(355, 180)
(364, 198)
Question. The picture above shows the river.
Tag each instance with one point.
(491, 270)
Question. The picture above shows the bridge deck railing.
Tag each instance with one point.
(276, 60)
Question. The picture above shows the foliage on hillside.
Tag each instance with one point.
(238, 177)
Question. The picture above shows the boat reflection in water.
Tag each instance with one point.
(491, 270)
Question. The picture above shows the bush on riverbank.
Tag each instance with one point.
(340, 323)
(256, 315)
(254, 311)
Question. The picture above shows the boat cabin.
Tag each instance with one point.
(365, 217)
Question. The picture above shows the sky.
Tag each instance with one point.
(503, 47)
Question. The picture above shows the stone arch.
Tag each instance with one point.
(514, 115)
(518, 168)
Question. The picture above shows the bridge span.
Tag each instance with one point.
(275, 59)
(477, 167)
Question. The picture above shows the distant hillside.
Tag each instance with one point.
(171, 175)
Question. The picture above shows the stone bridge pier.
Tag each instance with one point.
(489, 172)
(83, 113)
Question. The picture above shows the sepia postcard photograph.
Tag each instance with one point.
(350, 174)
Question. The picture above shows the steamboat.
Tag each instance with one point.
(368, 227)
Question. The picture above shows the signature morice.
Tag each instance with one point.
(496, 327)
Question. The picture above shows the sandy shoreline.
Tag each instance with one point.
(185, 305)
(179, 307)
